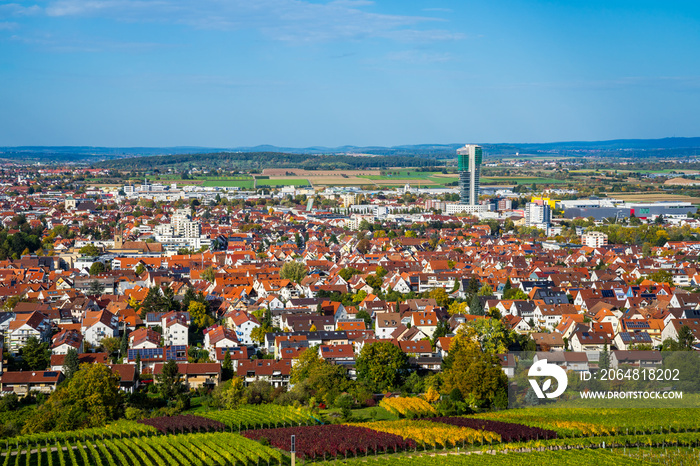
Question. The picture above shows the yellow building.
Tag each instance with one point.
(544, 200)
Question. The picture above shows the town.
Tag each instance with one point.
(197, 275)
(332, 298)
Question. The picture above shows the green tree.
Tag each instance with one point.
(477, 374)
(258, 333)
(441, 330)
(491, 335)
(374, 281)
(230, 394)
(347, 273)
(382, 366)
(96, 288)
(97, 268)
(686, 338)
(508, 290)
(168, 301)
(440, 296)
(35, 354)
(294, 271)
(364, 315)
(307, 360)
(363, 246)
(209, 274)
(475, 307)
(227, 367)
(124, 344)
(91, 398)
(485, 290)
(359, 297)
(110, 344)
(518, 294)
(662, 276)
(169, 381)
(153, 302)
(140, 269)
(89, 250)
(199, 315)
(327, 381)
(71, 363)
(472, 288)
(604, 359)
(137, 363)
(191, 295)
(457, 308)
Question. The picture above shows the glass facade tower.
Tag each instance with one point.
(469, 167)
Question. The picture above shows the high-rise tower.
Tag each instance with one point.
(468, 164)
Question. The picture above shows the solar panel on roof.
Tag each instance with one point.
(50, 374)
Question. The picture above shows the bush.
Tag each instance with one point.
(134, 414)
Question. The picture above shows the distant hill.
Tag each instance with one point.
(632, 148)
(262, 160)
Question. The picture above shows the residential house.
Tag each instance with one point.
(98, 325)
(23, 382)
(196, 375)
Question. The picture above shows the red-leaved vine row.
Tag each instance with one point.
(508, 432)
(332, 440)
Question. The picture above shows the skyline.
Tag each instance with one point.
(299, 74)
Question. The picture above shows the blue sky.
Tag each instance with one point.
(225, 73)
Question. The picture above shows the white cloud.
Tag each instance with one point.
(284, 20)
(15, 9)
(8, 26)
(63, 44)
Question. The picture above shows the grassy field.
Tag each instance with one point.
(247, 184)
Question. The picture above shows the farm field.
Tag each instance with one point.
(531, 436)
(253, 417)
(187, 449)
(405, 174)
(666, 170)
(300, 172)
(245, 184)
(521, 180)
(535, 458)
(586, 421)
(248, 183)
(325, 180)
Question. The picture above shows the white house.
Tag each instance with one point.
(219, 337)
(26, 326)
(386, 323)
(98, 325)
(66, 340)
(175, 327)
(243, 324)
